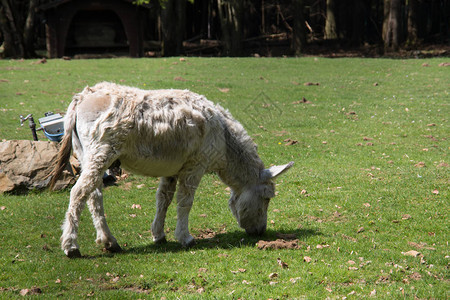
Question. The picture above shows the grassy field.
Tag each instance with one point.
(370, 141)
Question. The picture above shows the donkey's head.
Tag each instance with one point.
(251, 204)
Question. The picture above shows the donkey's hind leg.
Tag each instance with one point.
(164, 196)
(88, 182)
(95, 204)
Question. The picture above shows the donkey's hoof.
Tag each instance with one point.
(114, 248)
(189, 244)
(160, 241)
(73, 253)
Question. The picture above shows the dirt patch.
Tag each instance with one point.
(279, 244)
(208, 233)
(283, 241)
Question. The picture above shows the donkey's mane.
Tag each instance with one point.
(243, 163)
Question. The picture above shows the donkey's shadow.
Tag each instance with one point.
(227, 240)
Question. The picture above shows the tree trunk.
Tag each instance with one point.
(173, 19)
(413, 23)
(230, 15)
(17, 27)
(298, 29)
(392, 24)
(330, 22)
(28, 32)
(13, 41)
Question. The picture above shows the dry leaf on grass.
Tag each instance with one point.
(307, 259)
(290, 142)
(29, 292)
(282, 263)
(420, 164)
(294, 280)
(412, 253)
(304, 192)
(421, 245)
(240, 270)
(304, 101)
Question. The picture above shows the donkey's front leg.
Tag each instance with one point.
(164, 196)
(185, 198)
(95, 204)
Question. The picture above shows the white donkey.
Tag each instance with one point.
(173, 134)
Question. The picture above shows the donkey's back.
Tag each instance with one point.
(152, 132)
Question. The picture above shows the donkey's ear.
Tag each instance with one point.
(275, 171)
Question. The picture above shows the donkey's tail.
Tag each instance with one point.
(66, 144)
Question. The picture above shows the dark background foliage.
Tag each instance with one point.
(261, 27)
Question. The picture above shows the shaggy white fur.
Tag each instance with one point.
(177, 135)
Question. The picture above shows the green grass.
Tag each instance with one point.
(369, 123)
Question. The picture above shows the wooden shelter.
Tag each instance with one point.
(99, 26)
